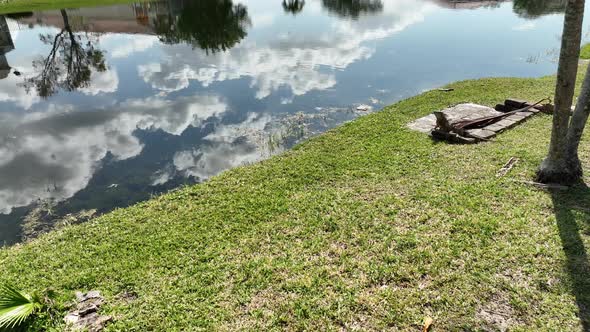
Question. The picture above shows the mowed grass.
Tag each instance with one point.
(22, 6)
(585, 52)
(368, 227)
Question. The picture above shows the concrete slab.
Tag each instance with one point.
(482, 134)
(516, 117)
(495, 128)
(524, 115)
(507, 123)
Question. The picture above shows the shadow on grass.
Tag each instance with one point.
(572, 210)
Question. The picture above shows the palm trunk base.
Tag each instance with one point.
(561, 173)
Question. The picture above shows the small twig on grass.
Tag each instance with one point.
(507, 167)
(581, 208)
(544, 185)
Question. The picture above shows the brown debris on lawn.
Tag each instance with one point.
(85, 316)
(472, 123)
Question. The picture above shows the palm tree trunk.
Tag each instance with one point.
(576, 127)
(555, 167)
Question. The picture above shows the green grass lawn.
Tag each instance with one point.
(367, 227)
(585, 52)
(20, 6)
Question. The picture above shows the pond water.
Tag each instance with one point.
(102, 107)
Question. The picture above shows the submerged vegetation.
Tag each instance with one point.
(366, 227)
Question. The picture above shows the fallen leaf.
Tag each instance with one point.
(427, 323)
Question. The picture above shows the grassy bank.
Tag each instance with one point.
(367, 227)
(22, 6)
(585, 52)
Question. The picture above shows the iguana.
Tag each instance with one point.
(446, 131)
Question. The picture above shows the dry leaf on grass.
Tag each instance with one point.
(427, 323)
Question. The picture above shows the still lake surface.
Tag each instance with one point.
(103, 107)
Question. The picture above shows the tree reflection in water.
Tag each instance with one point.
(212, 25)
(353, 8)
(69, 64)
(535, 8)
(293, 6)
